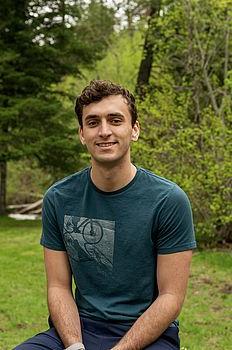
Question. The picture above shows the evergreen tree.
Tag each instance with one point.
(41, 42)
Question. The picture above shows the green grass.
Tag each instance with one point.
(23, 307)
(205, 321)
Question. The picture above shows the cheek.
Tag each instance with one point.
(85, 137)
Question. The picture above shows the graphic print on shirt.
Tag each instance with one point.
(89, 239)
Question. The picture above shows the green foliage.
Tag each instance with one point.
(41, 42)
(122, 60)
(197, 157)
(193, 43)
(94, 30)
(119, 65)
(186, 116)
(26, 182)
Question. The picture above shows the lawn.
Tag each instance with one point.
(205, 319)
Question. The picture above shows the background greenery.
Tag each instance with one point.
(175, 56)
(205, 320)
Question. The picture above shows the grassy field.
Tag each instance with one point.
(205, 320)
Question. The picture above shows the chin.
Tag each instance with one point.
(110, 161)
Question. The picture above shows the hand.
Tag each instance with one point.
(76, 346)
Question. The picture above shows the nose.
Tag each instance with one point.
(105, 130)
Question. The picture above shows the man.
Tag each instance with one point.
(123, 233)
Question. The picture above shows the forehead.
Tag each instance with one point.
(108, 105)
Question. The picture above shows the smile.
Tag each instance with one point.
(106, 144)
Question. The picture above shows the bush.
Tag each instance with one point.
(195, 156)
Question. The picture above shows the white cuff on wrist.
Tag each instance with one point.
(76, 346)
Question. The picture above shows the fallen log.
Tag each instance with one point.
(16, 206)
(37, 211)
(32, 207)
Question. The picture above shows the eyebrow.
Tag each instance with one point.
(116, 114)
(93, 116)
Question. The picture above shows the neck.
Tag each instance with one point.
(112, 178)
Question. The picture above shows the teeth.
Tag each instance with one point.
(106, 144)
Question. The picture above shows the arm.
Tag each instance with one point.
(61, 304)
(172, 278)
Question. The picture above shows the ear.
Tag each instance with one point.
(81, 136)
(135, 131)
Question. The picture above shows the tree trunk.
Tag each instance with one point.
(148, 49)
(3, 175)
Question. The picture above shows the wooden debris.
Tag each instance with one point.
(30, 208)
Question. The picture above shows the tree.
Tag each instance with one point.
(120, 63)
(187, 111)
(148, 49)
(41, 42)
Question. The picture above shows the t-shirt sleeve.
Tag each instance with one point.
(51, 236)
(176, 230)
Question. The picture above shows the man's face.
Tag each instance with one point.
(107, 130)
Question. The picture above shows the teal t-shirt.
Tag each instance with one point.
(112, 239)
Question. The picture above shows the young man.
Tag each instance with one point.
(123, 233)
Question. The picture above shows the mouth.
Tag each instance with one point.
(105, 144)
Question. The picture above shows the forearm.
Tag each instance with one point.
(64, 314)
(151, 324)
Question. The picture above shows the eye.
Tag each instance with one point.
(116, 121)
(92, 123)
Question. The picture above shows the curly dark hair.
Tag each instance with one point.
(97, 90)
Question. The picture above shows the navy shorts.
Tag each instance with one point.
(98, 335)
